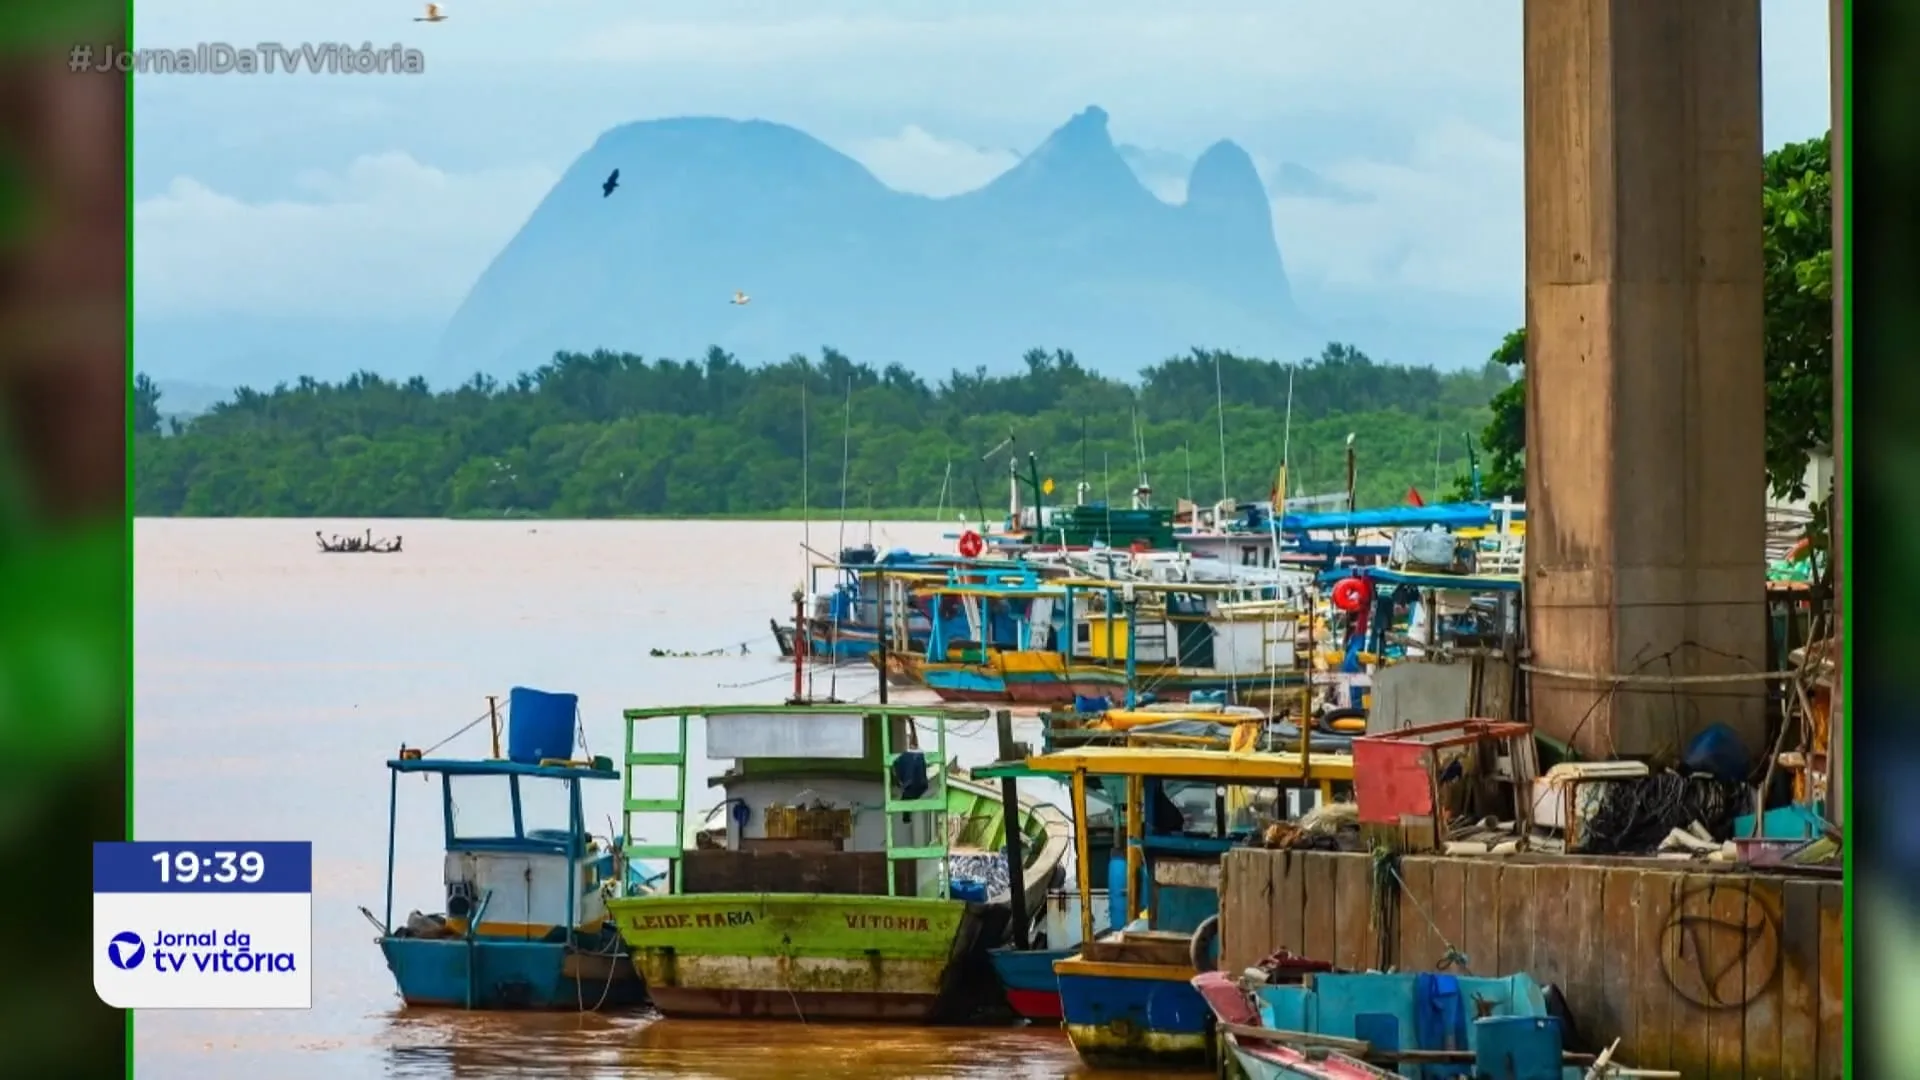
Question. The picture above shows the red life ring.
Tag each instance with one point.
(1350, 595)
(971, 545)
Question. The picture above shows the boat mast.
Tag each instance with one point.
(1220, 409)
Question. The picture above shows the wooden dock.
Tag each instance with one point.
(1720, 974)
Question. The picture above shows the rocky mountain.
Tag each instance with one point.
(1066, 249)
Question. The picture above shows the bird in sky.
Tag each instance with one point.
(613, 181)
(433, 15)
(740, 298)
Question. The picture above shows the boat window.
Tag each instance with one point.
(482, 807)
(545, 806)
(1195, 801)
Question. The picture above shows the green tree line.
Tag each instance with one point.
(1797, 245)
(613, 434)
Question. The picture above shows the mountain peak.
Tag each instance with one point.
(1078, 159)
(1225, 178)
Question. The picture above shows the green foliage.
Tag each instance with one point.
(614, 434)
(1798, 239)
(1799, 310)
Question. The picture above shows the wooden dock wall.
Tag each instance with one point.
(1716, 974)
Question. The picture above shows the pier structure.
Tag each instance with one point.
(1645, 377)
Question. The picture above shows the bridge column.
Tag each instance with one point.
(1645, 399)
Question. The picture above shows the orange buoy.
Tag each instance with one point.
(1351, 595)
(971, 545)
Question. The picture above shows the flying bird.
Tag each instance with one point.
(742, 298)
(433, 15)
(613, 181)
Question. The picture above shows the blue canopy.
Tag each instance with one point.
(1465, 515)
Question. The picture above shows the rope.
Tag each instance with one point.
(1619, 679)
(468, 726)
(1453, 958)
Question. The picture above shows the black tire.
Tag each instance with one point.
(1327, 718)
(1201, 941)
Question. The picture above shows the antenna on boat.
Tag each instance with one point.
(1220, 409)
(806, 468)
(940, 512)
(846, 464)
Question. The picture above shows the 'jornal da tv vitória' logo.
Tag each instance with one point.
(207, 952)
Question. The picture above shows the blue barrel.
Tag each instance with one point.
(540, 725)
(1517, 1048)
(1118, 914)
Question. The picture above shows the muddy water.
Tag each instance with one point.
(271, 682)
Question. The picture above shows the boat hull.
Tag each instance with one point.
(1032, 989)
(964, 682)
(801, 956)
(492, 974)
(1037, 677)
(1149, 1018)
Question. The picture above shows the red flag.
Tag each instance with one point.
(1414, 499)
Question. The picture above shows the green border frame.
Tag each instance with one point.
(1840, 54)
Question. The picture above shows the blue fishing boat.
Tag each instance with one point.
(1426, 1026)
(1126, 995)
(524, 923)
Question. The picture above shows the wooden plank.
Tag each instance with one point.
(1516, 919)
(1686, 957)
(1581, 948)
(1317, 940)
(1353, 911)
(1449, 897)
(1761, 1040)
(1480, 905)
(1246, 909)
(1289, 901)
(1726, 943)
(1833, 983)
(1551, 939)
(1799, 980)
(1418, 950)
(1657, 1004)
(1621, 980)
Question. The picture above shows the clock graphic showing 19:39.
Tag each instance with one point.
(220, 867)
(203, 924)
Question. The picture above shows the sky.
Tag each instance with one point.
(1388, 131)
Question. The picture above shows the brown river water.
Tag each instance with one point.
(271, 682)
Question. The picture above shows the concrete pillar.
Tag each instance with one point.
(1645, 403)
(1839, 728)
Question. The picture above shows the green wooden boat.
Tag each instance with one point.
(844, 875)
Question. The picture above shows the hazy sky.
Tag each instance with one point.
(1389, 131)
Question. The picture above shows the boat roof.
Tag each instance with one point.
(947, 712)
(1461, 582)
(1453, 515)
(499, 767)
(1185, 764)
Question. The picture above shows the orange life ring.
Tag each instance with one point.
(1350, 595)
(971, 545)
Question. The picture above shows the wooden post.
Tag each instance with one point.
(1136, 842)
(493, 713)
(1016, 854)
(800, 645)
(1082, 857)
(883, 629)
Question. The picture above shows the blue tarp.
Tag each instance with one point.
(1465, 515)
